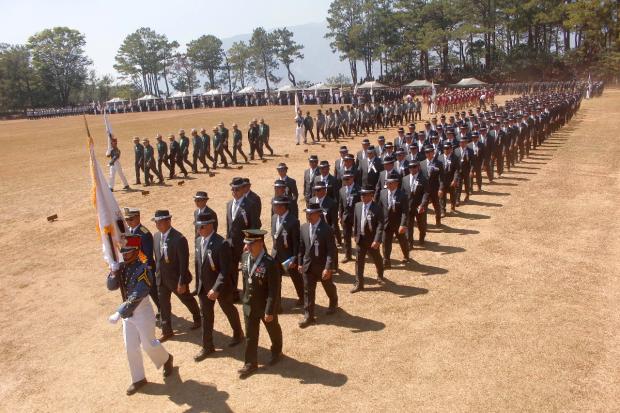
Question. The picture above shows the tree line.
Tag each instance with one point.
(391, 40)
(495, 39)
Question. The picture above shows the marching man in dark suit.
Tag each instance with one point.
(465, 155)
(370, 168)
(309, 174)
(317, 256)
(395, 206)
(285, 236)
(449, 178)
(478, 152)
(172, 272)
(261, 299)
(214, 282)
(279, 189)
(291, 184)
(368, 232)
(239, 216)
(134, 278)
(349, 197)
(138, 151)
(416, 187)
(432, 171)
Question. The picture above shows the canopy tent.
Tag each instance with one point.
(117, 100)
(148, 97)
(212, 92)
(372, 85)
(469, 82)
(319, 86)
(419, 83)
(181, 95)
(247, 90)
(287, 88)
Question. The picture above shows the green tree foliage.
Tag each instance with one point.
(184, 76)
(263, 55)
(18, 80)
(59, 60)
(287, 50)
(206, 53)
(239, 61)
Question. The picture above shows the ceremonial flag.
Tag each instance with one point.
(296, 103)
(111, 224)
(108, 129)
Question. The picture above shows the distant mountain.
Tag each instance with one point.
(319, 62)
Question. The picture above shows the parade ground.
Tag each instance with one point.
(512, 305)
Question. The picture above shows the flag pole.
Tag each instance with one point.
(121, 280)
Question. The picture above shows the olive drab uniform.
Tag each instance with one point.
(261, 297)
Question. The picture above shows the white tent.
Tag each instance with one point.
(148, 97)
(418, 83)
(212, 92)
(180, 95)
(117, 100)
(287, 88)
(247, 90)
(320, 86)
(372, 85)
(469, 82)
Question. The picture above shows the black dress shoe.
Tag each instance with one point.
(166, 336)
(422, 239)
(346, 259)
(196, 325)
(168, 366)
(331, 310)
(356, 289)
(275, 358)
(406, 260)
(134, 387)
(203, 354)
(387, 265)
(381, 280)
(306, 322)
(299, 303)
(247, 370)
(235, 341)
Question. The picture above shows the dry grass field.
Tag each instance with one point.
(514, 305)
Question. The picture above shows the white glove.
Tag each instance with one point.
(113, 319)
(115, 266)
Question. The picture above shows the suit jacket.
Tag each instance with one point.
(432, 171)
(398, 215)
(359, 157)
(213, 270)
(417, 195)
(346, 206)
(478, 157)
(285, 241)
(246, 218)
(373, 231)
(357, 178)
(174, 269)
(465, 157)
(291, 190)
(452, 171)
(255, 200)
(309, 182)
(261, 287)
(318, 254)
(370, 177)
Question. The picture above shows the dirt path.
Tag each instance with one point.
(514, 305)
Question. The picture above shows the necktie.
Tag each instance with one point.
(278, 224)
(391, 200)
(234, 209)
(364, 216)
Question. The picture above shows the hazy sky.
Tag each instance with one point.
(106, 23)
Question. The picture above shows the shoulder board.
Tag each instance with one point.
(144, 230)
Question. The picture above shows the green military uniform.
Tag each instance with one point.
(261, 297)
